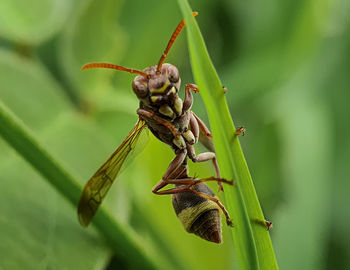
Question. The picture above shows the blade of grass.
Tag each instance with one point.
(251, 239)
(123, 240)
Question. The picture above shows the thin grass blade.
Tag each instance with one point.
(252, 241)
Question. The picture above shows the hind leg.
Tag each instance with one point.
(190, 188)
(205, 157)
(176, 168)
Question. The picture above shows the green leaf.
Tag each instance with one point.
(92, 35)
(302, 177)
(121, 238)
(27, 236)
(55, 124)
(37, 228)
(23, 84)
(252, 241)
(31, 22)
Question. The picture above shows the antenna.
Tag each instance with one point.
(112, 66)
(171, 41)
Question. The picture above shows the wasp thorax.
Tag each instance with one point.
(199, 215)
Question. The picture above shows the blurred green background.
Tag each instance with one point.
(286, 67)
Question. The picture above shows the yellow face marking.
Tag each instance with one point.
(188, 215)
(160, 90)
(173, 90)
(154, 99)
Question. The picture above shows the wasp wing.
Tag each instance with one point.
(99, 184)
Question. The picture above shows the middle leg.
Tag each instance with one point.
(205, 157)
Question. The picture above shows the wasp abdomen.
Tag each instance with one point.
(199, 215)
(208, 226)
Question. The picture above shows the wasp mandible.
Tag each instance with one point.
(171, 120)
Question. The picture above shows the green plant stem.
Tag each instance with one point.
(123, 240)
(252, 241)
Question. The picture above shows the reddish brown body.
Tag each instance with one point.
(171, 120)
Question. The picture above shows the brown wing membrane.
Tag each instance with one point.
(99, 184)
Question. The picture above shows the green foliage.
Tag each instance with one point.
(12, 130)
(31, 23)
(252, 241)
(286, 68)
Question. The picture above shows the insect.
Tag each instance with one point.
(171, 120)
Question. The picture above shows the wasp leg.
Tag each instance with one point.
(268, 225)
(175, 163)
(204, 129)
(205, 157)
(194, 127)
(217, 201)
(194, 181)
(240, 130)
(207, 141)
(175, 169)
(190, 188)
(195, 124)
(188, 101)
(160, 120)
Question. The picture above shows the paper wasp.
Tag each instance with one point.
(171, 120)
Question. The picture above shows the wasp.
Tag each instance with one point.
(172, 121)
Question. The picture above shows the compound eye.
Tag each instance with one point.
(140, 88)
(173, 74)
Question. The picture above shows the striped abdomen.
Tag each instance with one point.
(199, 215)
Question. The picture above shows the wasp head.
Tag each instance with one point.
(159, 89)
(157, 83)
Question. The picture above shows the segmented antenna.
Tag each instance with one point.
(171, 41)
(112, 66)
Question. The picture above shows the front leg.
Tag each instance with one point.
(203, 128)
(160, 120)
(178, 140)
(188, 101)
